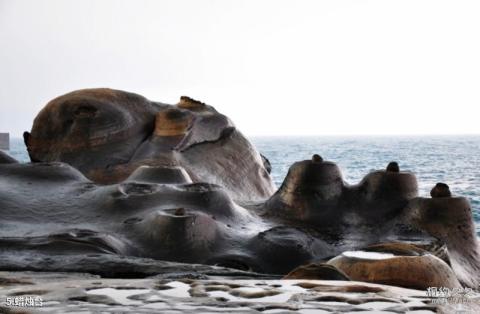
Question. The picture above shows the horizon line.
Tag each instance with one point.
(340, 135)
(365, 135)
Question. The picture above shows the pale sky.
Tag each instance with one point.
(274, 67)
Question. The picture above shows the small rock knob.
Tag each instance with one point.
(393, 167)
(440, 190)
(317, 158)
(191, 104)
(179, 211)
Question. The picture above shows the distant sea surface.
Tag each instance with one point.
(454, 160)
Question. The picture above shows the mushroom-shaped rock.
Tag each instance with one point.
(317, 158)
(314, 193)
(383, 194)
(390, 184)
(393, 167)
(317, 271)
(309, 192)
(417, 272)
(107, 134)
(440, 190)
(450, 219)
(178, 234)
(164, 175)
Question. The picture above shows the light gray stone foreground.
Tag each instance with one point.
(86, 293)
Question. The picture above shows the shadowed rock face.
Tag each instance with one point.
(6, 159)
(383, 204)
(107, 134)
(450, 220)
(181, 184)
(51, 209)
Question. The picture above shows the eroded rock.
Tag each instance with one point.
(417, 271)
(107, 134)
(180, 183)
(450, 220)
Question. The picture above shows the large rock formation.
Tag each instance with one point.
(107, 134)
(51, 208)
(314, 192)
(180, 183)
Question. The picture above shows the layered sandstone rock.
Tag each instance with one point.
(450, 219)
(117, 177)
(107, 134)
(417, 271)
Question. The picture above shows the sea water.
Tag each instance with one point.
(454, 160)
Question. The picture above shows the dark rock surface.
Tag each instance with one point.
(51, 208)
(6, 158)
(115, 266)
(107, 134)
(140, 183)
(440, 190)
(450, 220)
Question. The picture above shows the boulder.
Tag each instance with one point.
(115, 174)
(416, 272)
(107, 134)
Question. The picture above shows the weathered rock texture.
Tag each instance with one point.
(107, 134)
(117, 176)
(419, 272)
(82, 293)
